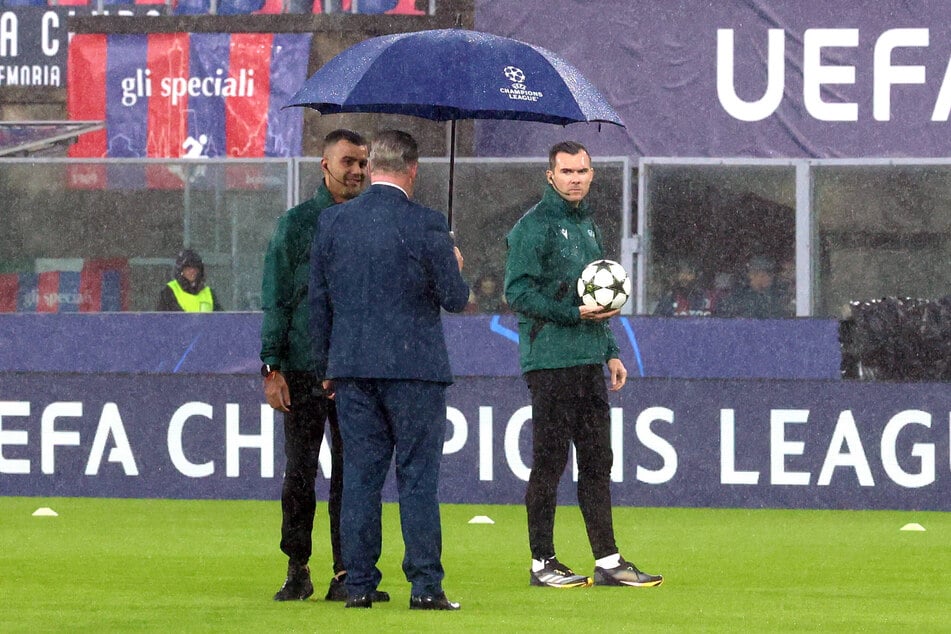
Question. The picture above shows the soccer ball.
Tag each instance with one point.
(604, 283)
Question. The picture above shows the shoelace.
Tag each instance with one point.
(556, 566)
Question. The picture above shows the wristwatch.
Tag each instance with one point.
(267, 369)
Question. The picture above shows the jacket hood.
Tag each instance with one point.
(187, 258)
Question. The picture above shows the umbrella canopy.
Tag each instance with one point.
(451, 74)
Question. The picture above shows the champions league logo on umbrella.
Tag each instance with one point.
(518, 90)
(431, 74)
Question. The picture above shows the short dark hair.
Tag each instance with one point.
(568, 147)
(762, 264)
(342, 134)
(393, 151)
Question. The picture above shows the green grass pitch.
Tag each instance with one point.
(110, 565)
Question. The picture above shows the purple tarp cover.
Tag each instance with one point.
(876, 69)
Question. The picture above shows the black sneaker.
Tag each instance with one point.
(297, 586)
(338, 588)
(557, 575)
(625, 574)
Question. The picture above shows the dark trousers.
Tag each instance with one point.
(381, 420)
(303, 433)
(570, 405)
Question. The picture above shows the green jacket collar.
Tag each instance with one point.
(556, 206)
(323, 197)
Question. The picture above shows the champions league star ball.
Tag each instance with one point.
(604, 283)
(514, 74)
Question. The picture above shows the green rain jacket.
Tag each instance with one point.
(547, 250)
(285, 331)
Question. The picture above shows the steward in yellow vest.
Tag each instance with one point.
(187, 292)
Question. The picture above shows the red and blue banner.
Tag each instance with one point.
(186, 95)
(98, 286)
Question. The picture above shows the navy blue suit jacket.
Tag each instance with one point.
(382, 268)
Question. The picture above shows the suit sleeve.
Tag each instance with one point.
(451, 289)
(318, 296)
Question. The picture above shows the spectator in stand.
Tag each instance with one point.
(722, 287)
(188, 291)
(486, 296)
(686, 298)
(760, 298)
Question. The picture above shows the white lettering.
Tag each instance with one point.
(460, 431)
(512, 432)
(34, 75)
(657, 444)
(9, 26)
(50, 437)
(780, 447)
(324, 459)
(235, 441)
(176, 88)
(49, 44)
(486, 434)
(176, 450)
(846, 433)
(110, 423)
(775, 78)
(924, 452)
(942, 105)
(815, 74)
(617, 444)
(13, 437)
(886, 75)
(728, 472)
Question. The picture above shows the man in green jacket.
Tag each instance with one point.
(290, 383)
(563, 346)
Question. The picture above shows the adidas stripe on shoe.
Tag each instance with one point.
(555, 574)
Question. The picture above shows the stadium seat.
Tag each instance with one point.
(305, 6)
(271, 7)
(240, 7)
(192, 7)
(406, 7)
(133, 2)
(9, 284)
(374, 6)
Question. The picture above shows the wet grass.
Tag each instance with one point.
(212, 566)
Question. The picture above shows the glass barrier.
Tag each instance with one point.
(884, 230)
(103, 235)
(489, 196)
(720, 240)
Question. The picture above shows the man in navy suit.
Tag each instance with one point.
(382, 269)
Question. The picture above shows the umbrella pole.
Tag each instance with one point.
(452, 166)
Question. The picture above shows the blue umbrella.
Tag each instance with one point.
(451, 74)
